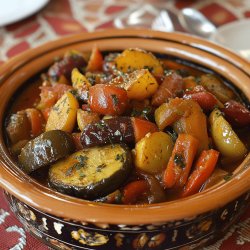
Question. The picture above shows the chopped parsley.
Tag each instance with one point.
(179, 160)
(115, 100)
(101, 167)
(120, 157)
(228, 177)
(197, 79)
(149, 68)
(173, 135)
(78, 165)
(145, 113)
(69, 171)
(100, 125)
(92, 79)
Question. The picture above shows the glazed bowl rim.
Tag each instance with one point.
(34, 194)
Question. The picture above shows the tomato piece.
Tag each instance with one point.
(107, 99)
(133, 190)
(142, 127)
(51, 94)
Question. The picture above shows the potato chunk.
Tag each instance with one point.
(152, 153)
(85, 118)
(63, 114)
(140, 84)
(133, 59)
(79, 81)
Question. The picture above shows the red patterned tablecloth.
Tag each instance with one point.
(64, 17)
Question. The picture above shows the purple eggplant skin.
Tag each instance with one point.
(108, 131)
(18, 127)
(65, 66)
(45, 150)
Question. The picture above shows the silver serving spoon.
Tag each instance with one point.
(196, 23)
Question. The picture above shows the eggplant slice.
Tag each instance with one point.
(45, 150)
(92, 173)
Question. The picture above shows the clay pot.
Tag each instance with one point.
(69, 223)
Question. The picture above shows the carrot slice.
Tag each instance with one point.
(96, 60)
(204, 167)
(142, 127)
(133, 190)
(180, 162)
(205, 99)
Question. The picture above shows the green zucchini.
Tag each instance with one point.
(45, 150)
(92, 173)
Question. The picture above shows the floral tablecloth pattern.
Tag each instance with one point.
(65, 17)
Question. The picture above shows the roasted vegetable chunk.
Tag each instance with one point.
(153, 152)
(216, 87)
(18, 127)
(63, 114)
(107, 100)
(132, 59)
(92, 173)
(170, 87)
(45, 149)
(71, 60)
(114, 130)
(225, 139)
(140, 84)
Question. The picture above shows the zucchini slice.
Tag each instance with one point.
(92, 173)
(45, 149)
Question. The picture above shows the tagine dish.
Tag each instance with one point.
(126, 139)
(128, 127)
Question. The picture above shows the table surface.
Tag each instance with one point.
(65, 17)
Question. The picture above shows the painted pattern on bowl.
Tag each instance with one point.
(67, 234)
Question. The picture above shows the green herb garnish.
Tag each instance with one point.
(78, 165)
(228, 177)
(100, 167)
(119, 157)
(179, 160)
(149, 68)
(100, 125)
(115, 100)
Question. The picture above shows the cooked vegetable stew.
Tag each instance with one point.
(128, 128)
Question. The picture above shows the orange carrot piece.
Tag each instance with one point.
(189, 82)
(180, 163)
(96, 61)
(205, 99)
(142, 127)
(36, 120)
(133, 190)
(204, 167)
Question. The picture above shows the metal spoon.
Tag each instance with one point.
(196, 23)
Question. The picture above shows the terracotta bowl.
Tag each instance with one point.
(69, 223)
